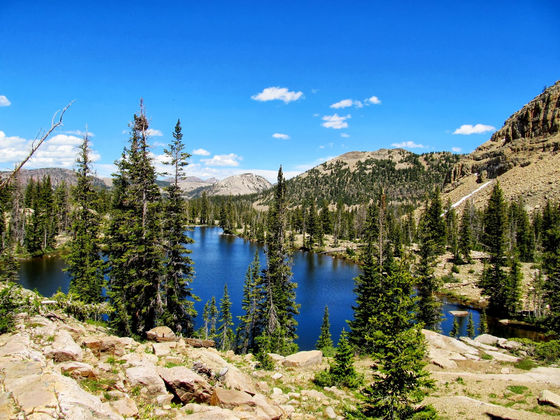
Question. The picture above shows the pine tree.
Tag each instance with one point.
(470, 326)
(225, 333)
(134, 249)
(179, 310)
(247, 330)
(325, 343)
(494, 280)
(551, 263)
(213, 318)
(280, 306)
(84, 261)
(341, 372)
(399, 347)
(434, 223)
(455, 331)
(483, 322)
(465, 237)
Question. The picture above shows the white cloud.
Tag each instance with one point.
(280, 136)
(373, 100)
(58, 151)
(277, 93)
(200, 152)
(230, 159)
(316, 115)
(345, 135)
(80, 133)
(345, 103)
(335, 121)
(468, 129)
(154, 133)
(408, 145)
(456, 149)
(4, 101)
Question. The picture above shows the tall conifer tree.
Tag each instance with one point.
(85, 264)
(247, 330)
(225, 333)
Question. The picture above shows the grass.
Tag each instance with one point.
(486, 356)
(517, 389)
(460, 381)
(525, 364)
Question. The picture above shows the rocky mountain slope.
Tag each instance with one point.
(523, 156)
(53, 366)
(234, 185)
(355, 177)
(191, 183)
(57, 175)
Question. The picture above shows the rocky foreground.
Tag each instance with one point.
(55, 367)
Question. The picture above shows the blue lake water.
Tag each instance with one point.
(220, 259)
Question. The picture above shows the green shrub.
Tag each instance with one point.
(7, 308)
(517, 389)
(548, 351)
(525, 364)
(454, 269)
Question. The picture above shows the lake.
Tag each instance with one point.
(220, 259)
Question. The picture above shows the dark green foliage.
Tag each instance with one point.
(84, 261)
(225, 333)
(264, 345)
(134, 247)
(210, 318)
(179, 312)
(483, 322)
(247, 330)
(465, 237)
(325, 343)
(429, 308)
(40, 229)
(341, 372)
(399, 347)
(279, 303)
(551, 263)
(470, 326)
(522, 235)
(502, 289)
(9, 266)
(8, 306)
(456, 330)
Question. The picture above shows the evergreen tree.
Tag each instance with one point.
(470, 326)
(465, 237)
(399, 348)
(325, 343)
(341, 372)
(84, 261)
(225, 333)
(551, 262)
(213, 318)
(434, 224)
(280, 306)
(483, 322)
(455, 331)
(179, 310)
(429, 308)
(134, 251)
(247, 330)
(494, 282)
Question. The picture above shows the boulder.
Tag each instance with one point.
(64, 348)
(329, 412)
(501, 357)
(161, 349)
(311, 393)
(124, 407)
(510, 345)
(459, 313)
(147, 377)
(212, 413)
(77, 369)
(235, 379)
(488, 339)
(140, 359)
(198, 343)
(106, 344)
(549, 398)
(474, 343)
(160, 334)
(276, 357)
(231, 398)
(304, 359)
(265, 409)
(450, 344)
(186, 384)
(442, 358)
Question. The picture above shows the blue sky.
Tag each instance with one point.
(358, 75)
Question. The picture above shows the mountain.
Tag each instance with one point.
(234, 185)
(354, 177)
(191, 183)
(523, 156)
(57, 175)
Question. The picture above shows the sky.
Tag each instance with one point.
(261, 84)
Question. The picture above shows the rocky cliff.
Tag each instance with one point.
(235, 185)
(522, 155)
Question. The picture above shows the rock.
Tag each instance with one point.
(230, 398)
(277, 376)
(304, 358)
(276, 357)
(106, 344)
(510, 345)
(164, 399)
(276, 391)
(64, 348)
(147, 377)
(449, 344)
(501, 357)
(330, 413)
(213, 413)
(140, 359)
(488, 339)
(77, 369)
(198, 343)
(160, 334)
(124, 407)
(473, 343)
(186, 384)
(442, 361)
(311, 393)
(549, 398)
(235, 379)
(19, 345)
(161, 349)
(459, 313)
(266, 409)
